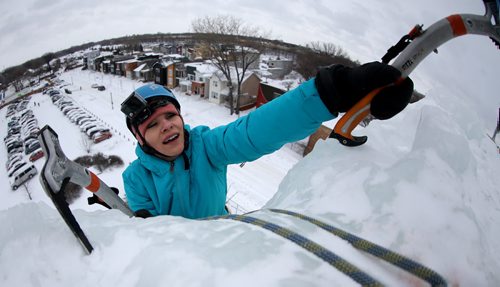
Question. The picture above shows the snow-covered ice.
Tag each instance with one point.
(425, 185)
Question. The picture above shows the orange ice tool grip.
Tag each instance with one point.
(343, 129)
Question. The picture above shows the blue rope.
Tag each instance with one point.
(394, 258)
(331, 258)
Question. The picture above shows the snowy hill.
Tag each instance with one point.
(425, 185)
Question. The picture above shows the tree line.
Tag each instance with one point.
(226, 40)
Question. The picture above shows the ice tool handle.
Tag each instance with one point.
(420, 47)
(58, 169)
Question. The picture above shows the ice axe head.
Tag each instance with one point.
(54, 179)
(412, 54)
(53, 171)
(493, 14)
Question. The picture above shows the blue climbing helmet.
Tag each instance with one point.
(143, 102)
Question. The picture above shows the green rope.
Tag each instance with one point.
(331, 258)
(394, 258)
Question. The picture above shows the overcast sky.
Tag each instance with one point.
(364, 29)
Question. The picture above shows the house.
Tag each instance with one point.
(139, 71)
(122, 66)
(106, 66)
(128, 67)
(267, 93)
(270, 89)
(198, 75)
(89, 57)
(164, 74)
(219, 89)
(115, 64)
(279, 68)
(185, 50)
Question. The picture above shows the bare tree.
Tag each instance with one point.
(326, 48)
(47, 57)
(232, 46)
(317, 54)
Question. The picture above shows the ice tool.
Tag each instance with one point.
(412, 49)
(58, 170)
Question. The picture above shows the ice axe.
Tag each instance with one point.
(58, 170)
(413, 48)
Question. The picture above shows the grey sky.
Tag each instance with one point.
(364, 29)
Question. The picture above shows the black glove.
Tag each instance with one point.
(342, 87)
(96, 199)
(143, 213)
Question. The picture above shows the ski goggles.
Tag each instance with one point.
(137, 109)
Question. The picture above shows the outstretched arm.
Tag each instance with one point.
(299, 112)
(288, 118)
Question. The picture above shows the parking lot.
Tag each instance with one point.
(80, 127)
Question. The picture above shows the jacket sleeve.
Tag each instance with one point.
(137, 196)
(288, 118)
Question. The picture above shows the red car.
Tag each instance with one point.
(100, 136)
(36, 155)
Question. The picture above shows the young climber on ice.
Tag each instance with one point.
(181, 170)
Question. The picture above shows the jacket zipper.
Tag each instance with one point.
(171, 167)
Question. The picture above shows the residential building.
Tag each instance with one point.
(198, 75)
(267, 93)
(279, 68)
(164, 74)
(219, 89)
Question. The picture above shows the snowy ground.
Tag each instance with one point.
(425, 185)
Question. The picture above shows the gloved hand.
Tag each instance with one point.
(342, 87)
(96, 199)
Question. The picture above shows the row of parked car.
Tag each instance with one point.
(88, 123)
(21, 141)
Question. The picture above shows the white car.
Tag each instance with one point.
(22, 175)
(15, 167)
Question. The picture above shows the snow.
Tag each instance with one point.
(425, 185)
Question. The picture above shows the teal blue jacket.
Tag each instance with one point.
(164, 188)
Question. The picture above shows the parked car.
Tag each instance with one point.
(68, 108)
(15, 150)
(31, 148)
(12, 123)
(15, 168)
(36, 155)
(28, 142)
(14, 146)
(11, 139)
(75, 114)
(91, 125)
(100, 136)
(13, 157)
(23, 175)
(11, 162)
(83, 120)
(54, 93)
(90, 132)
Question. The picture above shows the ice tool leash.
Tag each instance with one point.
(412, 50)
